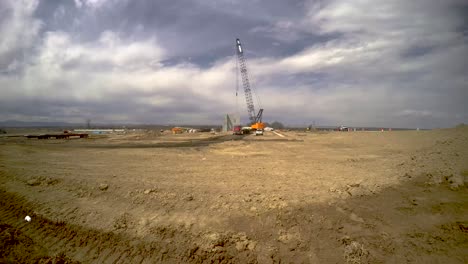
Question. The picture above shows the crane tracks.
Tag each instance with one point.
(76, 242)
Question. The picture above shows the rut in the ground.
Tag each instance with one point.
(86, 245)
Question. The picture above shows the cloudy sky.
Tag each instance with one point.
(392, 63)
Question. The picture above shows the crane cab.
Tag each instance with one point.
(258, 126)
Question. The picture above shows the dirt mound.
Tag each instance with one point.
(443, 161)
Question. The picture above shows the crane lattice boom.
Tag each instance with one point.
(255, 118)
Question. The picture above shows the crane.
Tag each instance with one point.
(255, 118)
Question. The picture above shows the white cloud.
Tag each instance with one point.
(18, 30)
(90, 3)
(78, 3)
(109, 52)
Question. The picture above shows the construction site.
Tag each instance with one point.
(243, 193)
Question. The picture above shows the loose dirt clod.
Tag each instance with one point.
(33, 182)
(463, 226)
(148, 191)
(122, 222)
(103, 187)
(46, 181)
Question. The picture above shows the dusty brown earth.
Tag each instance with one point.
(145, 197)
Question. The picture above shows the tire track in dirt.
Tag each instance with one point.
(78, 243)
(86, 245)
(189, 143)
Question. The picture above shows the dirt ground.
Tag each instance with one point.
(310, 197)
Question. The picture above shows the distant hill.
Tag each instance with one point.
(37, 124)
(16, 123)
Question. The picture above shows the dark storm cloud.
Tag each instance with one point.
(202, 30)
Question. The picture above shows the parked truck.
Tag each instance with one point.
(237, 130)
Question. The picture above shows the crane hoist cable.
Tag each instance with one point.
(237, 83)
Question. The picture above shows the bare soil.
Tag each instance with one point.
(146, 197)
